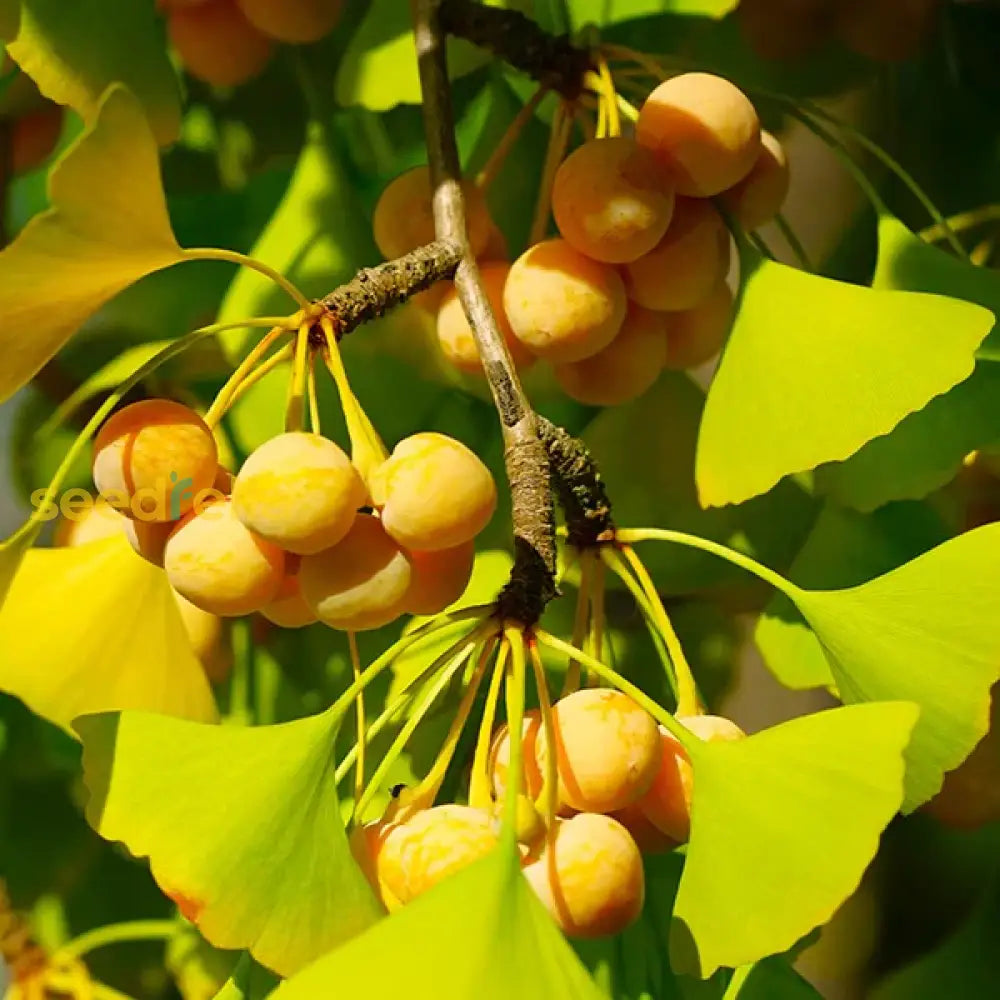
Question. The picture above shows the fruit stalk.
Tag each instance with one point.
(552, 60)
(532, 582)
(373, 291)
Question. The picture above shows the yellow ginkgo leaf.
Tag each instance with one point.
(97, 629)
(107, 227)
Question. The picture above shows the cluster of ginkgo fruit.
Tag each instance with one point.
(636, 280)
(228, 42)
(297, 535)
(882, 30)
(624, 788)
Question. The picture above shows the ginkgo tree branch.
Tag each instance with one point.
(532, 582)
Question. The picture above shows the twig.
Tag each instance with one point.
(532, 582)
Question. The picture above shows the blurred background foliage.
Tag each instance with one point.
(289, 165)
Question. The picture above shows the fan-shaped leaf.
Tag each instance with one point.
(242, 827)
(119, 641)
(481, 933)
(107, 227)
(816, 368)
(783, 825)
(11, 556)
(73, 51)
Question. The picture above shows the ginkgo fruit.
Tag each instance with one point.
(205, 631)
(217, 44)
(34, 137)
(455, 334)
(98, 521)
(589, 876)
(404, 216)
(532, 778)
(626, 368)
(300, 491)
(612, 199)
(219, 565)
(561, 304)
(359, 583)
(759, 196)
(608, 750)
(439, 578)
(704, 129)
(648, 837)
(697, 335)
(366, 842)
(157, 456)
(422, 851)
(289, 608)
(667, 803)
(683, 268)
(294, 21)
(149, 538)
(433, 492)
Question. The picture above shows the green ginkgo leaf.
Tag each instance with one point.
(481, 933)
(242, 827)
(610, 12)
(927, 632)
(770, 979)
(107, 227)
(816, 368)
(74, 51)
(120, 641)
(783, 826)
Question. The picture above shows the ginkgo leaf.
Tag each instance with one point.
(480, 933)
(783, 826)
(242, 827)
(107, 227)
(11, 556)
(119, 641)
(927, 448)
(770, 979)
(927, 632)
(609, 12)
(74, 51)
(816, 368)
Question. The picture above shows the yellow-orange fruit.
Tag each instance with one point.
(648, 837)
(667, 803)
(34, 137)
(886, 30)
(361, 582)
(562, 305)
(205, 631)
(434, 492)
(608, 750)
(626, 368)
(759, 196)
(696, 335)
(299, 491)
(438, 579)
(221, 566)
(435, 843)
(499, 757)
(590, 876)
(681, 270)
(217, 44)
(455, 334)
(704, 129)
(149, 538)
(785, 30)
(612, 199)
(98, 521)
(223, 482)
(366, 843)
(294, 21)
(158, 455)
(289, 608)
(496, 248)
(404, 216)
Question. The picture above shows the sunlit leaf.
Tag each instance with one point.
(11, 557)
(107, 227)
(816, 368)
(926, 450)
(242, 827)
(927, 632)
(610, 12)
(844, 549)
(74, 51)
(97, 629)
(783, 825)
(480, 933)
